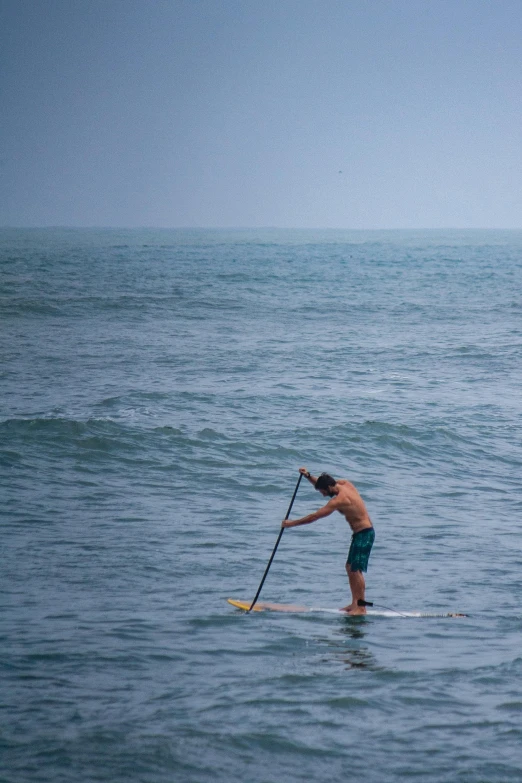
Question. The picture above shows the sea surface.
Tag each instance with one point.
(159, 390)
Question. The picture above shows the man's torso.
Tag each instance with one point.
(351, 505)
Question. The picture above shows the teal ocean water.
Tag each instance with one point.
(159, 391)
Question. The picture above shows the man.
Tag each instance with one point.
(346, 500)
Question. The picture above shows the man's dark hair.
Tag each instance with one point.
(324, 482)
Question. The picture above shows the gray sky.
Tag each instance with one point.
(299, 113)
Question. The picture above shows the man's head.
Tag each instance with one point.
(325, 484)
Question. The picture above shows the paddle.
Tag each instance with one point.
(277, 544)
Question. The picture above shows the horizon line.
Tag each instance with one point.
(253, 228)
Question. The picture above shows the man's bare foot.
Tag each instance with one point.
(354, 609)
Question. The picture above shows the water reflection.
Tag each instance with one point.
(349, 649)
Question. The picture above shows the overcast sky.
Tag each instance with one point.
(298, 113)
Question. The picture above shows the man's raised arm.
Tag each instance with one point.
(306, 473)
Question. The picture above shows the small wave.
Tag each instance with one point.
(28, 307)
(167, 430)
(133, 399)
(211, 434)
(60, 433)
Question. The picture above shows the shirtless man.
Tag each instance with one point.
(346, 500)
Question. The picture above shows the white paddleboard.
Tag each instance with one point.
(263, 606)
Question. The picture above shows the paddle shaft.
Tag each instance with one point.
(276, 544)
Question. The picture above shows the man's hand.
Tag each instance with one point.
(303, 471)
(286, 523)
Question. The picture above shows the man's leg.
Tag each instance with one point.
(351, 606)
(357, 586)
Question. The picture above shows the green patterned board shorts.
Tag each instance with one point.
(360, 549)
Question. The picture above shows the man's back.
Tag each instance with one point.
(351, 505)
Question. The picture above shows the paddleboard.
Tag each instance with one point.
(263, 606)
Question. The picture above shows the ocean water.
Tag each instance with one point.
(159, 391)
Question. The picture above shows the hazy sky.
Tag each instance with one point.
(300, 113)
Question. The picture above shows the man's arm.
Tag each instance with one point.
(325, 511)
